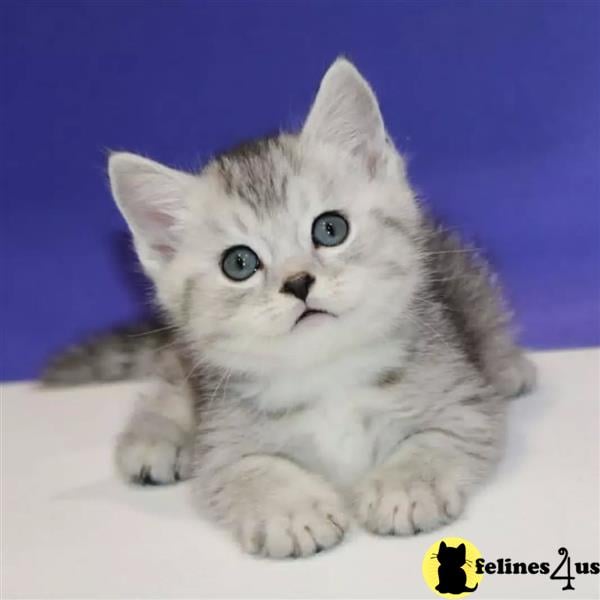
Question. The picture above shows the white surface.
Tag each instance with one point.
(71, 529)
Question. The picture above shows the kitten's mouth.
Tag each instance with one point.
(309, 313)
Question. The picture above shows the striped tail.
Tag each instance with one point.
(121, 354)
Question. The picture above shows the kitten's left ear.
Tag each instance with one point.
(151, 197)
(346, 114)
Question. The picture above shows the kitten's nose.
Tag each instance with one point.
(298, 285)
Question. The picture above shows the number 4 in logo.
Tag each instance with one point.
(568, 577)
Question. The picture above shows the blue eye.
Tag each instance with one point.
(330, 229)
(239, 263)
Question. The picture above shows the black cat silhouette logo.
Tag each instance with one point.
(449, 568)
(453, 579)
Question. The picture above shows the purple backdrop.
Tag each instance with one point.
(497, 104)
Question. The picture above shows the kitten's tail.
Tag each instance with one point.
(123, 353)
(466, 589)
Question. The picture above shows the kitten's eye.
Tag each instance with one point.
(330, 229)
(239, 263)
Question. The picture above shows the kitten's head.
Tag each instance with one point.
(288, 250)
(450, 556)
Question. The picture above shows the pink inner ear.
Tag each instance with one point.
(158, 219)
(158, 228)
(163, 250)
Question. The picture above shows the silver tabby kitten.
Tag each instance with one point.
(336, 353)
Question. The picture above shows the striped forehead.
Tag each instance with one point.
(257, 173)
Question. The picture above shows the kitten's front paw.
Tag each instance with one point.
(293, 527)
(392, 502)
(149, 458)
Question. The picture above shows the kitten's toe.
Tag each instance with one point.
(152, 461)
(292, 532)
(396, 504)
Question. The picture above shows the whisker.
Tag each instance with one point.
(229, 374)
(166, 345)
(218, 387)
(433, 330)
(454, 278)
(152, 331)
(459, 251)
(192, 371)
(425, 300)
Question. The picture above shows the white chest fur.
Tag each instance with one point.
(329, 412)
(333, 435)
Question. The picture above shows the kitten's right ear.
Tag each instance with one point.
(442, 546)
(151, 197)
(345, 114)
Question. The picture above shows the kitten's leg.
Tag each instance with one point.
(274, 507)
(155, 447)
(424, 484)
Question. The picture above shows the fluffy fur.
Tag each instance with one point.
(390, 411)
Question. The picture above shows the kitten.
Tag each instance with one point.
(333, 352)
